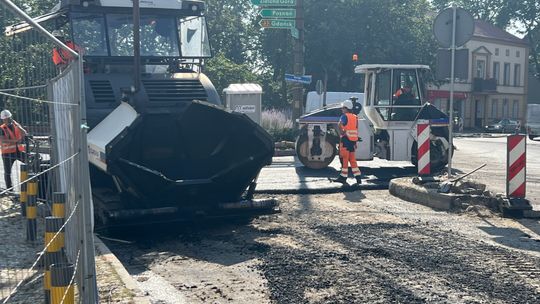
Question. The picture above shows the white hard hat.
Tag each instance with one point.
(57, 33)
(347, 104)
(5, 114)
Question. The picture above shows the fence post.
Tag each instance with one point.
(59, 205)
(23, 198)
(423, 142)
(31, 209)
(31, 219)
(54, 252)
(89, 290)
(61, 275)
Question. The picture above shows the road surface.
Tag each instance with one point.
(360, 247)
(473, 152)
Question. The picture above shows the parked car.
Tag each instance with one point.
(503, 126)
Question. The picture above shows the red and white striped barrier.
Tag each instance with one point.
(423, 132)
(516, 169)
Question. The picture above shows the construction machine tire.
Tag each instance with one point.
(438, 158)
(302, 152)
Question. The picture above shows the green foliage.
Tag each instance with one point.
(380, 31)
(504, 13)
(223, 71)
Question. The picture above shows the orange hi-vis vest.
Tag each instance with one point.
(10, 147)
(351, 128)
(60, 56)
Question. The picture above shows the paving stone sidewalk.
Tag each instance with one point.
(17, 257)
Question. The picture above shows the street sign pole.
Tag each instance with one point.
(451, 34)
(298, 90)
(452, 80)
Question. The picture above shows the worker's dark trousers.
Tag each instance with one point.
(8, 160)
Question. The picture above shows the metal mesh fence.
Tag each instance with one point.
(45, 206)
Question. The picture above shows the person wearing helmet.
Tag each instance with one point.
(11, 144)
(348, 126)
(61, 57)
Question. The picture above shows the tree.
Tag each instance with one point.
(497, 12)
(223, 71)
(526, 13)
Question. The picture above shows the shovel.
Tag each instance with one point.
(447, 185)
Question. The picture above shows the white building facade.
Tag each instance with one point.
(496, 87)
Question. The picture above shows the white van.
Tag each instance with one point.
(314, 101)
(533, 120)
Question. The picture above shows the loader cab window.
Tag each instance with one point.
(158, 35)
(89, 33)
(406, 95)
(383, 99)
(194, 37)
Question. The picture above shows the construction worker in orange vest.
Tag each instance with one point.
(348, 126)
(11, 144)
(60, 57)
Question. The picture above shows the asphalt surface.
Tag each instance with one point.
(287, 175)
(361, 247)
(350, 246)
(473, 152)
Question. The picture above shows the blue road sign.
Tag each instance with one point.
(306, 79)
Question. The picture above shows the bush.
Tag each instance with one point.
(279, 124)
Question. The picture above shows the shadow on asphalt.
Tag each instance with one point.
(354, 197)
(512, 237)
(223, 244)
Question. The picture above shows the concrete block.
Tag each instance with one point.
(405, 189)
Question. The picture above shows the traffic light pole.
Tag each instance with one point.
(298, 68)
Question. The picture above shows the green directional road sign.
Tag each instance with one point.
(274, 2)
(278, 13)
(277, 23)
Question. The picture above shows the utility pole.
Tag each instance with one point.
(298, 67)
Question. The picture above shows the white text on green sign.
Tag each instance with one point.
(278, 13)
(274, 2)
(276, 23)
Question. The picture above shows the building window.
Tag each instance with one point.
(506, 75)
(517, 54)
(515, 109)
(517, 75)
(480, 69)
(497, 72)
(496, 51)
(494, 104)
(507, 52)
(505, 109)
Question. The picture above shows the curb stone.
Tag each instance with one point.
(406, 190)
(125, 277)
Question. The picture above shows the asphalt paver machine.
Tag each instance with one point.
(394, 100)
(161, 145)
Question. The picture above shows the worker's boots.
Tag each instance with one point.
(341, 179)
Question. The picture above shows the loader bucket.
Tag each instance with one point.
(194, 155)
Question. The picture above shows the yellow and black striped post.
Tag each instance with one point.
(31, 209)
(61, 287)
(54, 252)
(31, 218)
(23, 198)
(59, 205)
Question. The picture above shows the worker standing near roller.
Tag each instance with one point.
(11, 144)
(348, 127)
